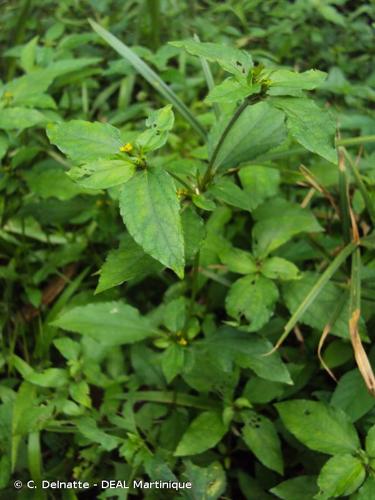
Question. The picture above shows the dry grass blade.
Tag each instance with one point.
(360, 355)
(326, 331)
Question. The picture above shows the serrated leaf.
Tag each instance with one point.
(260, 436)
(259, 182)
(84, 141)
(102, 174)
(286, 82)
(341, 476)
(110, 323)
(277, 222)
(311, 126)
(231, 90)
(278, 268)
(20, 118)
(318, 426)
(172, 361)
(126, 263)
(203, 433)
(207, 483)
(352, 396)
(237, 260)
(258, 129)
(235, 61)
(227, 191)
(193, 230)
(88, 428)
(150, 209)
(253, 298)
(296, 488)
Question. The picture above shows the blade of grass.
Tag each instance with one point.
(354, 316)
(344, 198)
(361, 186)
(149, 75)
(326, 331)
(209, 78)
(314, 292)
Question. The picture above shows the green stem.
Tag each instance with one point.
(170, 397)
(209, 172)
(194, 288)
(352, 141)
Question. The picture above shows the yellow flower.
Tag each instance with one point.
(182, 341)
(126, 148)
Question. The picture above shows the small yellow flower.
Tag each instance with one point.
(127, 148)
(182, 341)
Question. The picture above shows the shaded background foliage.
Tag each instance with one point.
(68, 418)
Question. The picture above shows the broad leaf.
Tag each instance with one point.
(231, 90)
(253, 298)
(110, 323)
(20, 118)
(235, 61)
(260, 436)
(102, 174)
(150, 209)
(259, 182)
(227, 191)
(285, 82)
(84, 141)
(258, 129)
(207, 483)
(203, 433)
(341, 476)
(277, 222)
(318, 426)
(370, 442)
(126, 263)
(194, 231)
(297, 488)
(352, 396)
(311, 126)
(278, 268)
(172, 361)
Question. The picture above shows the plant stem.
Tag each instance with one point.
(209, 172)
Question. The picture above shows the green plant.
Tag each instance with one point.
(177, 250)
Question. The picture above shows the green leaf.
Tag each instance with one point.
(260, 436)
(102, 174)
(150, 209)
(20, 118)
(207, 483)
(231, 90)
(203, 433)
(285, 82)
(51, 377)
(277, 222)
(149, 75)
(311, 126)
(126, 263)
(297, 488)
(370, 442)
(367, 490)
(88, 428)
(84, 141)
(235, 61)
(319, 312)
(259, 182)
(159, 123)
(68, 348)
(80, 392)
(341, 476)
(4, 144)
(237, 260)
(228, 346)
(254, 298)
(110, 323)
(172, 361)
(193, 230)
(277, 268)
(352, 396)
(258, 129)
(174, 314)
(319, 427)
(227, 191)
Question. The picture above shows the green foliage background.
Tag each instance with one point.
(151, 255)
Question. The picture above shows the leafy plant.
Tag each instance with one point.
(183, 226)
